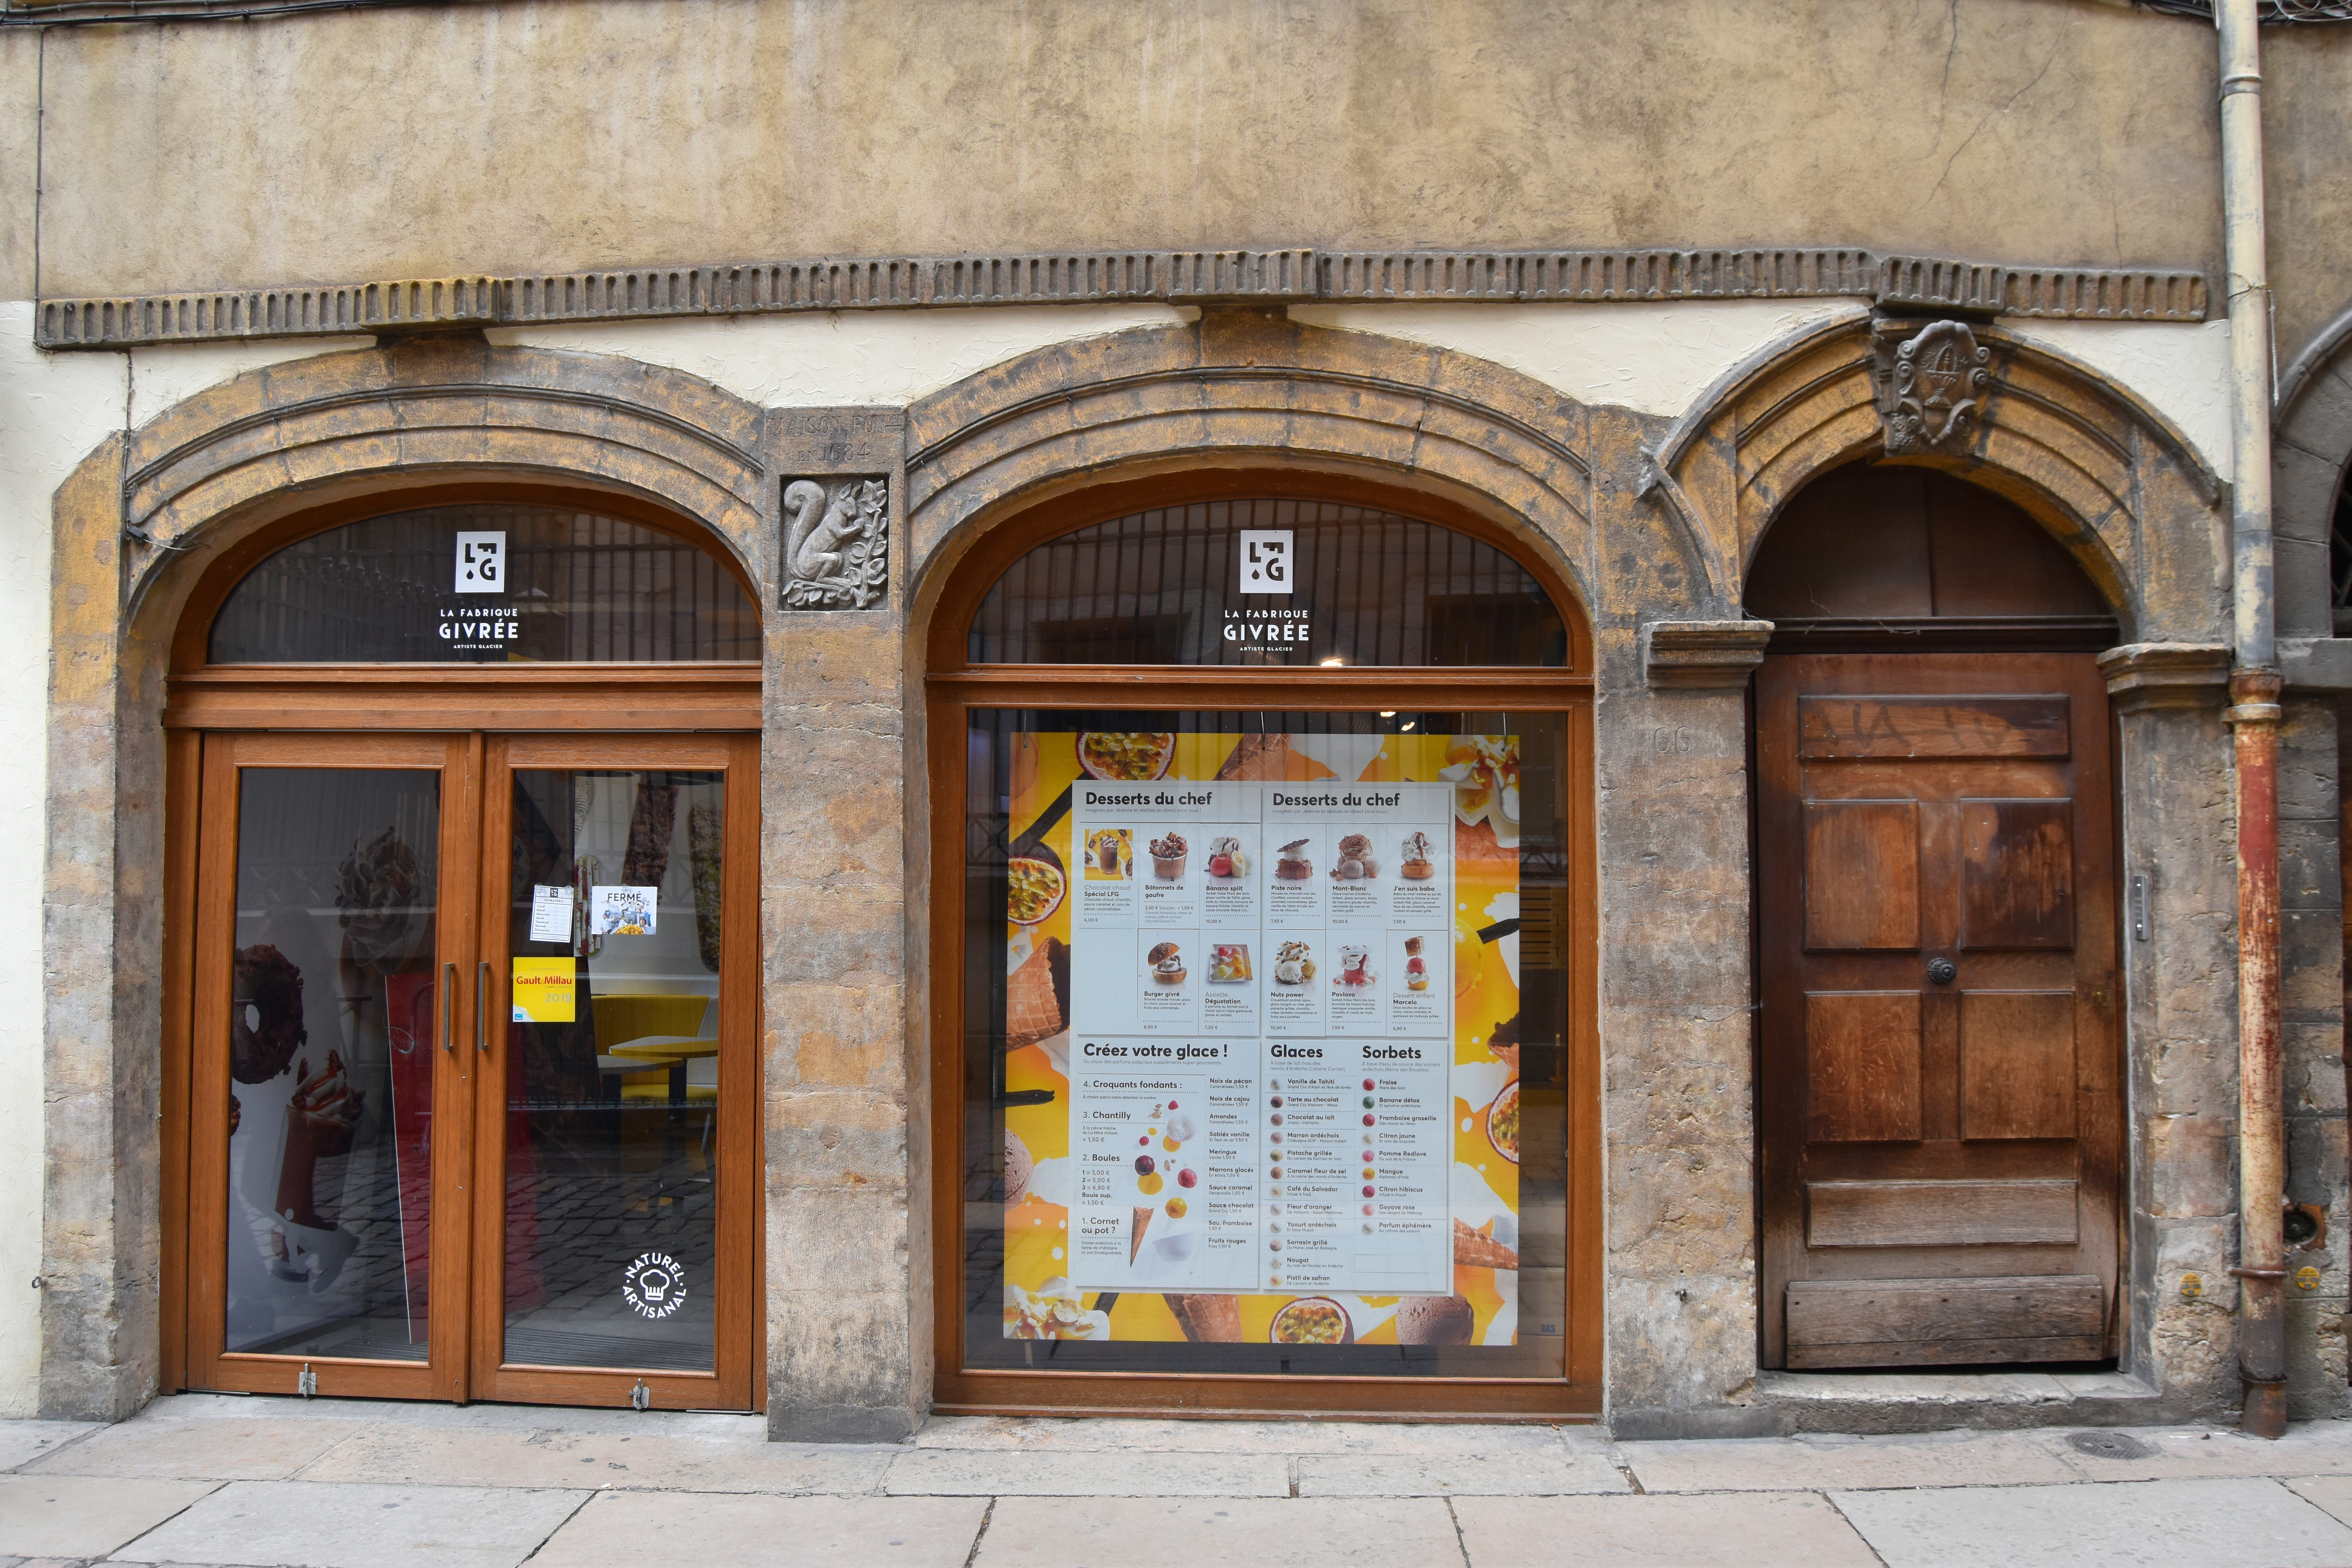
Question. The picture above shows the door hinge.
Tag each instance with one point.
(307, 1385)
(641, 1397)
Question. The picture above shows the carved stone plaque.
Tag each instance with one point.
(1935, 383)
(836, 542)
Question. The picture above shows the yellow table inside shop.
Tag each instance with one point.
(680, 1054)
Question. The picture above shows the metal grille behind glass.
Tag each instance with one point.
(577, 587)
(1372, 588)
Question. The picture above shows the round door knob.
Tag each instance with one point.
(1942, 971)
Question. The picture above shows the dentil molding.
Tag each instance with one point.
(1296, 275)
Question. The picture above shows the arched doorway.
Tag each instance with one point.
(1263, 1010)
(460, 995)
(1939, 1096)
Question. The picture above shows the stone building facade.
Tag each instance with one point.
(1611, 296)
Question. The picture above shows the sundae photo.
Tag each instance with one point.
(1110, 853)
(1227, 859)
(1416, 968)
(1293, 965)
(1356, 862)
(1414, 864)
(1291, 864)
(1355, 967)
(1166, 964)
(1167, 857)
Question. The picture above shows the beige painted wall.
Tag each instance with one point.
(511, 135)
(2307, 125)
(20, 110)
(53, 410)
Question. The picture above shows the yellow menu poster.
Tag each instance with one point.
(1267, 982)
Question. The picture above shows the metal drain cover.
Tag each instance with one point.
(2111, 1446)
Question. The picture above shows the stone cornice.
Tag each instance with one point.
(2165, 675)
(1284, 277)
(1702, 655)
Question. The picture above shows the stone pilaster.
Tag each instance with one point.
(2179, 966)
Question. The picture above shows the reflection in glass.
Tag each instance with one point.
(563, 585)
(612, 1070)
(331, 1053)
(1084, 1252)
(1368, 588)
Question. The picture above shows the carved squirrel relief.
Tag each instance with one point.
(837, 543)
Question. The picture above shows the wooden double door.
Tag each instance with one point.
(1938, 1076)
(470, 1072)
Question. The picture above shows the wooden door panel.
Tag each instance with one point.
(1940, 1214)
(1945, 1323)
(2017, 1064)
(1835, 728)
(1938, 1086)
(2016, 874)
(1862, 874)
(1861, 1067)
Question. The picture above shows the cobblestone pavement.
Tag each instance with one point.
(201, 1479)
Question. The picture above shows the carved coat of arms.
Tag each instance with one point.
(1939, 378)
(837, 543)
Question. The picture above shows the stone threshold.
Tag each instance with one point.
(1786, 1404)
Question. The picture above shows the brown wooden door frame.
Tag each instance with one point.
(205, 1230)
(737, 1286)
(950, 696)
(1780, 913)
(302, 716)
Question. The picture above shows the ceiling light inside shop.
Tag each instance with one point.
(1388, 712)
(1335, 659)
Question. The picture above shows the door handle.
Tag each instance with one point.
(448, 1006)
(482, 1007)
(1942, 971)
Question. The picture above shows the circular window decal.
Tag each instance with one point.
(654, 1285)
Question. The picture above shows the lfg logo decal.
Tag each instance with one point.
(1267, 557)
(482, 563)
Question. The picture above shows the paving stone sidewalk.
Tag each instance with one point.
(261, 1483)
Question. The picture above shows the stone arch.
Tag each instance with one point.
(2118, 484)
(2311, 453)
(287, 435)
(1251, 387)
(134, 526)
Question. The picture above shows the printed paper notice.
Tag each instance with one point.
(550, 914)
(543, 989)
(621, 910)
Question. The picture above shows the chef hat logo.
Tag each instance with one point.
(653, 1284)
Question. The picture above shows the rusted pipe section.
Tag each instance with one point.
(2262, 1128)
(2253, 715)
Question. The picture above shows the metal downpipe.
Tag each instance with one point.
(2254, 716)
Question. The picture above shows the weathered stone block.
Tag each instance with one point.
(2189, 1165)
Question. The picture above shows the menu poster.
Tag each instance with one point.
(1262, 977)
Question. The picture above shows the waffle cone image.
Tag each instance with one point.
(1032, 1004)
(1434, 1320)
(1208, 1320)
(1478, 1249)
(1258, 757)
(1135, 1236)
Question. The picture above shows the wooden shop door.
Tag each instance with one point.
(1939, 1094)
(452, 1133)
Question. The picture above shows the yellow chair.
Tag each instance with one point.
(625, 1016)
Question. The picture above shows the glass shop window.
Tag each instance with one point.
(487, 584)
(1265, 1070)
(1334, 585)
